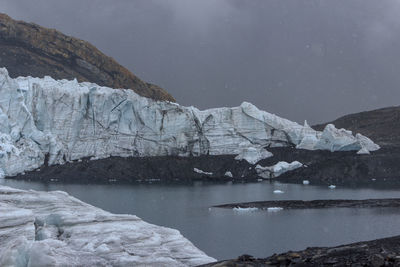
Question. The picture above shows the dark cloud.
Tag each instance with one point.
(304, 59)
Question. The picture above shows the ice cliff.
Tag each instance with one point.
(48, 121)
(55, 229)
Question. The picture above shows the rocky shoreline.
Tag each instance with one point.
(316, 204)
(380, 168)
(380, 252)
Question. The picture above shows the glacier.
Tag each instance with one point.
(55, 229)
(47, 121)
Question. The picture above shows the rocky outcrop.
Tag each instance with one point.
(381, 125)
(28, 49)
(380, 252)
(316, 204)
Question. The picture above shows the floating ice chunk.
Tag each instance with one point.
(274, 209)
(278, 191)
(277, 169)
(202, 172)
(228, 174)
(239, 209)
(332, 186)
(306, 182)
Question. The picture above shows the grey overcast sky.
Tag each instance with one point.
(302, 59)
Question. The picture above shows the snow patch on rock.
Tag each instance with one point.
(228, 174)
(253, 154)
(202, 172)
(277, 169)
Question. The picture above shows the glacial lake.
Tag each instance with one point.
(226, 234)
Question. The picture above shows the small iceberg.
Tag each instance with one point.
(306, 182)
(239, 209)
(332, 186)
(274, 209)
(278, 192)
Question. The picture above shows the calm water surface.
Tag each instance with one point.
(227, 234)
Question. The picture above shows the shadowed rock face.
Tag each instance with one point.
(28, 49)
(381, 125)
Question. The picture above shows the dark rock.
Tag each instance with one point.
(381, 168)
(245, 257)
(368, 253)
(320, 204)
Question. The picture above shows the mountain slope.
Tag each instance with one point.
(381, 125)
(28, 49)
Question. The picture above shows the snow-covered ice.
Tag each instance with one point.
(68, 121)
(278, 169)
(55, 229)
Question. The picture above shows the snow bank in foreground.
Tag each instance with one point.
(55, 229)
(67, 120)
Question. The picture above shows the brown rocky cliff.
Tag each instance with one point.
(28, 49)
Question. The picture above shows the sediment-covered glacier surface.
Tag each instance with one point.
(48, 121)
(55, 229)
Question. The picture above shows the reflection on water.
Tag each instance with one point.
(228, 234)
